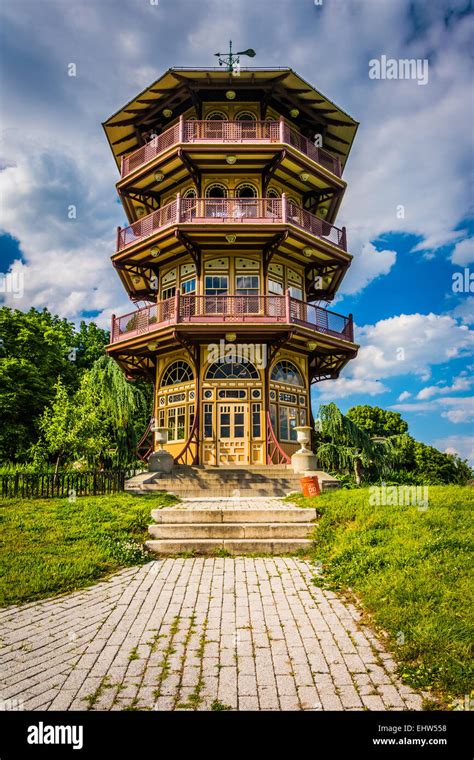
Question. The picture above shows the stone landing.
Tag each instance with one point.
(187, 481)
(231, 526)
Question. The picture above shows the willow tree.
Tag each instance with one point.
(345, 447)
(124, 404)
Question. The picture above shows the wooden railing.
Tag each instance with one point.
(291, 137)
(231, 131)
(275, 453)
(194, 131)
(273, 309)
(230, 211)
(150, 150)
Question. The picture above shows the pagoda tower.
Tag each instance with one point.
(231, 182)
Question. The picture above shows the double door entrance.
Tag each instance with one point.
(233, 433)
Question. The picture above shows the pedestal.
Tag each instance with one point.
(303, 461)
(160, 461)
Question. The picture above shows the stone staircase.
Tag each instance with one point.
(263, 526)
(187, 481)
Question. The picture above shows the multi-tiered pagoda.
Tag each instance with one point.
(231, 185)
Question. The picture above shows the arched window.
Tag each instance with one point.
(215, 196)
(272, 192)
(216, 190)
(232, 369)
(286, 372)
(216, 116)
(177, 372)
(190, 193)
(246, 190)
(245, 116)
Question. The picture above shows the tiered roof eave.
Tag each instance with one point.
(181, 88)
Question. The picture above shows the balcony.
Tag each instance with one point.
(234, 133)
(234, 211)
(185, 310)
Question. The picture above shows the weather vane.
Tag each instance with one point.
(232, 60)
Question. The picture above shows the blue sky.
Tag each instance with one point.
(413, 151)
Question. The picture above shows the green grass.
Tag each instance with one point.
(412, 570)
(50, 546)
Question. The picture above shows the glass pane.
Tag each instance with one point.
(247, 282)
(239, 431)
(275, 288)
(293, 423)
(284, 423)
(273, 415)
(189, 286)
(225, 432)
(296, 293)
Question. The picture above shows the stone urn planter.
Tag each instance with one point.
(303, 460)
(303, 433)
(161, 460)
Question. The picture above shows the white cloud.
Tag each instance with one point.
(460, 410)
(367, 265)
(461, 383)
(464, 311)
(66, 261)
(409, 344)
(403, 396)
(462, 445)
(330, 390)
(463, 252)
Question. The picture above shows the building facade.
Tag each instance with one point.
(230, 249)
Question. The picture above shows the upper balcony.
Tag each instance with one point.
(271, 147)
(201, 215)
(196, 313)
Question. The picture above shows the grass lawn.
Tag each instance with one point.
(49, 546)
(412, 570)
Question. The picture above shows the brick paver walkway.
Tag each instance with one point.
(248, 633)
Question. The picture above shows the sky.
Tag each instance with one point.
(408, 207)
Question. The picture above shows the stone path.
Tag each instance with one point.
(245, 633)
(233, 502)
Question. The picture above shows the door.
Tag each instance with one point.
(232, 434)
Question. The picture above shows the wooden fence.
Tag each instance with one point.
(64, 484)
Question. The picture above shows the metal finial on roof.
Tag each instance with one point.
(232, 60)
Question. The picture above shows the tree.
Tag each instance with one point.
(90, 342)
(37, 348)
(57, 426)
(126, 406)
(99, 423)
(33, 354)
(345, 447)
(377, 422)
(438, 467)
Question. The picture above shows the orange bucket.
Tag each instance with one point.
(310, 485)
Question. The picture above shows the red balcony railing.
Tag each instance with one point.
(230, 211)
(189, 309)
(194, 131)
(319, 155)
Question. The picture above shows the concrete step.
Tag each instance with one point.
(195, 481)
(223, 493)
(211, 546)
(183, 515)
(227, 530)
